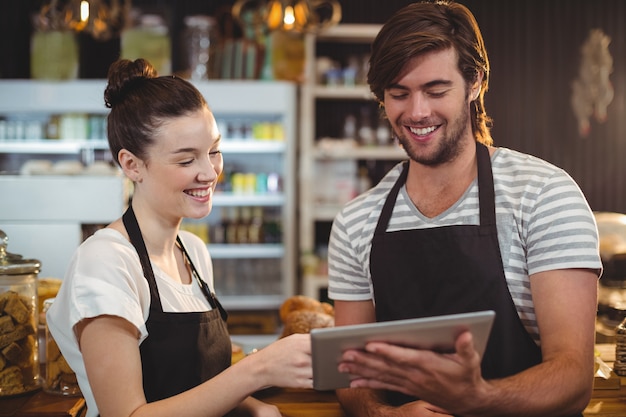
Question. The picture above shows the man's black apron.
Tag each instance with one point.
(451, 269)
(182, 350)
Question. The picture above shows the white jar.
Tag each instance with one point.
(200, 39)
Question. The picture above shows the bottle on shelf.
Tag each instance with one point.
(243, 226)
(349, 127)
(255, 229)
(366, 131)
(363, 181)
(217, 231)
(383, 133)
(231, 224)
(53, 127)
(272, 231)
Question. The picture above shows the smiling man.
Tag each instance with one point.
(462, 226)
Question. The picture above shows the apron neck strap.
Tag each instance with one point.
(208, 294)
(486, 191)
(132, 227)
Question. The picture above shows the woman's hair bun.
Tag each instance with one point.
(122, 75)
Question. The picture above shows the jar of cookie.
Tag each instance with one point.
(619, 366)
(59, 378)
(19, 355)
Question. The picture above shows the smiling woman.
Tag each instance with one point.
(183, 164)
(138, 300)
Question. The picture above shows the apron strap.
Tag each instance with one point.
(390, 202)
(486, 192)
(209, 295)
(132, 227)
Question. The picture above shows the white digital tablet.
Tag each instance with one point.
(433, 333)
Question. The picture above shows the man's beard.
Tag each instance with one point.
(449, 147)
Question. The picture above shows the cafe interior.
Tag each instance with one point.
(287, 83)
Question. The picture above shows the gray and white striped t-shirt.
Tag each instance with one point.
(544, 223)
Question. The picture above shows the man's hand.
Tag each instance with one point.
(438, 378)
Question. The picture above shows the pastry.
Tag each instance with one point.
(300, 314)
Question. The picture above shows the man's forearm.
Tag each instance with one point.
(362, 402)
(551, 388)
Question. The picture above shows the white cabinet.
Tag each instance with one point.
(47, 216)
(337, 159)
(257, 122)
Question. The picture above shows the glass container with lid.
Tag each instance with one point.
(149, 38)
(59, 376)
(200, 39)
(19, 356)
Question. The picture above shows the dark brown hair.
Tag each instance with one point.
(140, 101)
(433, 26)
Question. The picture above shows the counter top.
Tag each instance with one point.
(302, 403)
(609, 396)
(42, 404)
(609, 400)
(310, 403)
(606, 402)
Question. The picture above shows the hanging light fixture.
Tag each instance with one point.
(290, 15)
(102, 19)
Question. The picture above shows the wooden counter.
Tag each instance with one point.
(606, 402)
(302, 403)
(309, 403)
(609, 400)
(609, 397)
(41, 404)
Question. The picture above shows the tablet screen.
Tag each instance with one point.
(434, 333)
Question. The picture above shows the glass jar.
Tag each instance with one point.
(54, 55)
(288, 55)
(200, 39)
(59, 377)
(619, 366)
(19, 351)
(150, 40)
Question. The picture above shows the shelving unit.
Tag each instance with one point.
(46, 216)
(317, 131)
(256, 276)
(233, 103)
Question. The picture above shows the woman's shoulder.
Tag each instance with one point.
(105, 242)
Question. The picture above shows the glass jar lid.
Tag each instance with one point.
(12, 264)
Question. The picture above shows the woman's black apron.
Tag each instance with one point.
(182, 350)
(451, 269)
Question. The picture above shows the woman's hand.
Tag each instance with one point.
(285, 363)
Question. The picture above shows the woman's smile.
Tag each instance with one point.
(200, 194)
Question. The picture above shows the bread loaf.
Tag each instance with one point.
(300, 314)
